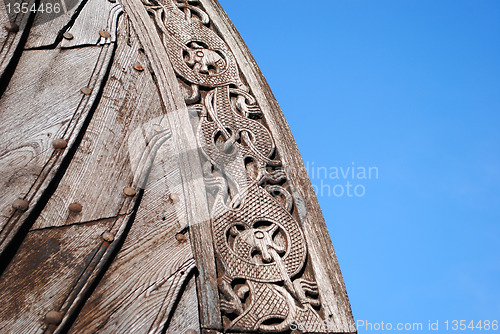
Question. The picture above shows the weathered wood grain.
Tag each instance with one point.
(42, 103)
(47, 28)
(45, 271)
(194, 194)
(10, 40)
(100, 170)
(142, 300)
(330, 283)
(96, 16)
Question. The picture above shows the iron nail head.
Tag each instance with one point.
(104, 34)
(59, 144)
(138, 67)
(86, 90)
(11, 27)
(174, 198)
(53, 317)
(180, 237)
(107, 236)
(129, 191)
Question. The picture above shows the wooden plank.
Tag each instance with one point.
(46, 269)
(129, 102)
(44, 87)
(143, 299)
(48, 27)
(194, 193)
(13, 28)
(100, 169)
(96, 16)
(326, 269)
(185, 317)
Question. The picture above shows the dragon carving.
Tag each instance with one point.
(260, 246)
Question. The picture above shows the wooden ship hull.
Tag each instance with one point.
(150, 182)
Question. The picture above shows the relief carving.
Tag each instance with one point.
(265, 281)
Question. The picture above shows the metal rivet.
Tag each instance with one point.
(75, 207)
(174, 198)
(86, 90)
(53, 317)
(129, 191)
(20, 204)
(138, 67)
(59, 144)
(104, 34)
(107, 236)
(68, 35)
(11, 27)
(180, 237)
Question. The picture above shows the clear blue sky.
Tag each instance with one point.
(411, 88)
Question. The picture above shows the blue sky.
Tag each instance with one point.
(413, 89)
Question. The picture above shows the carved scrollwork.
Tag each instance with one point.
(265, 283)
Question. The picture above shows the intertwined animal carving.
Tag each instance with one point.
(260, 246)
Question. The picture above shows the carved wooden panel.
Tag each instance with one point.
(152, 185)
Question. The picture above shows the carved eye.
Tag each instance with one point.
(200, 54)
(259, 235)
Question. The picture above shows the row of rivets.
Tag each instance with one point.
(174, 198)
(12, 27)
